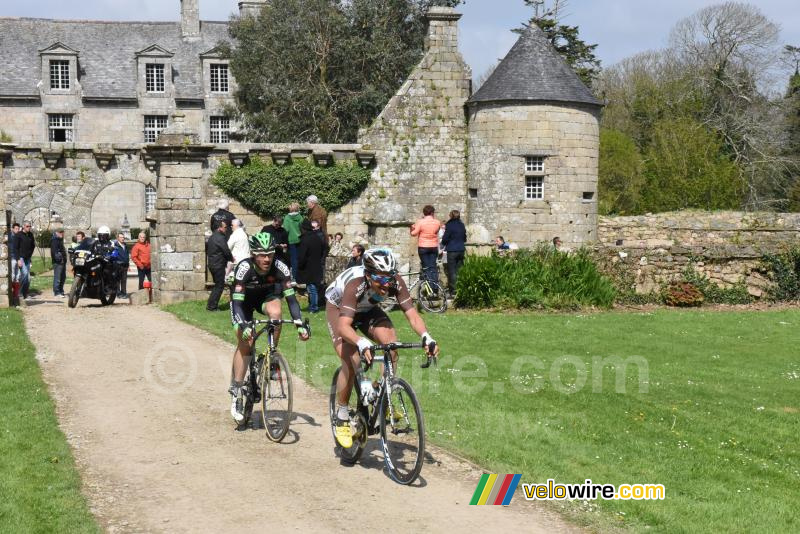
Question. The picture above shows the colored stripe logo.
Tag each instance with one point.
(495, 489)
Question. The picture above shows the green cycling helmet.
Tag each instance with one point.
(261, 243)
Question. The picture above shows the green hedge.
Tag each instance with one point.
(784, 270)
(539, 278)
(267, 189)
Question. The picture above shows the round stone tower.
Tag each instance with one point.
(533, 149)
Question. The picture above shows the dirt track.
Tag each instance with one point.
(141, 398)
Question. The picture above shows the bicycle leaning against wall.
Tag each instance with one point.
(429, 295)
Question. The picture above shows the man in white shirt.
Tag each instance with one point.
(238, 242)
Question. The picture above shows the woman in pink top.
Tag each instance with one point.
(426, 230)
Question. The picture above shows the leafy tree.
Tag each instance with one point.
(686, 167)
(792, 148)
(565, 39)
(317, 70)
(621, 179)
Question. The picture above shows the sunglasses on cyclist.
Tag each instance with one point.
(382, 279)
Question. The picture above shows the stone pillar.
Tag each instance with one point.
(6, 151)
(190, 19)
(178, 229)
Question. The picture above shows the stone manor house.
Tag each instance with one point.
(88, 107)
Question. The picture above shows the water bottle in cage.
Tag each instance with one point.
(367, 391)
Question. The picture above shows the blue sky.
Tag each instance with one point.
(620, 27)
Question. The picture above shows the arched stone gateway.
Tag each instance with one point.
(119, 202)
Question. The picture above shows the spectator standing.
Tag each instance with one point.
(12, 248)
(222, 214)
(238, 242)
(280, 237)
(58, 255)
(291, 222)
(317, 213)
(356, 256)
(218, 257)
(454, 242)
(325, 248)
(24, 245)
(426, 230)
(122, 261)
(310, 254)
(140, 254)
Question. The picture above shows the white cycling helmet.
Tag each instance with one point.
(379, 260)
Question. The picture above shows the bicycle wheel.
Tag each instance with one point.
(276, 396)
(358, 424)
(431, 296)
(402, 432)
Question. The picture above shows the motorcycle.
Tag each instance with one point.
(94, 278)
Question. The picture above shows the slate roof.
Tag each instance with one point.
(106, 53)
(533, 71)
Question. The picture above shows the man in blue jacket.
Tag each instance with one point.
(122, 260)
(58, 254)
(453, 241)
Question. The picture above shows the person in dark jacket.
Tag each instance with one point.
(356, 256)
(325, 246)
(122, 261)
(218, 257)
(24, 245)
(280, 237)
(222, 215)
(309, 262)
(453, 242)
(12, 248)
(58, 254)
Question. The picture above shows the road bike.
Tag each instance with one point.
(269, 380)
(390, 408)
(430, 295)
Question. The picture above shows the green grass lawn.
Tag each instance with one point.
(39, 485)
(714, 415)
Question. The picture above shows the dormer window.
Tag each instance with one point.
(219, 78)
(59, 70)
(154, 78)
(59, 74)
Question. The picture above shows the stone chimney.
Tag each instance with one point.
(190, 19)
(442, 29)
(251, 8)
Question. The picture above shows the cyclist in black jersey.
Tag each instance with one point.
(259, 283)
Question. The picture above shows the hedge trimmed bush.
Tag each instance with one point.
(268, 189)
(540, 278)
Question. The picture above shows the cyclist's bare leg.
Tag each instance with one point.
(241, 357)
(272, 309)
(350, 361)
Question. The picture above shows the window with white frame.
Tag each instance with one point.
(220, 130)
(153, 125)
(534, 177)
(219, 78)
(59, 74)
(534, 187)
(154, 78)
(60, 128)
(149, 198)
(534, 164)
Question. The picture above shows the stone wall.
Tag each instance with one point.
(500, 137)
(419, 141)
(725, 246)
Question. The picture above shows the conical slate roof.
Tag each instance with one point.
(533, 70)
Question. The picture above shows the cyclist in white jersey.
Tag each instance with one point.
(353, 303)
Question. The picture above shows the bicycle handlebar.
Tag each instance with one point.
(384, 347)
